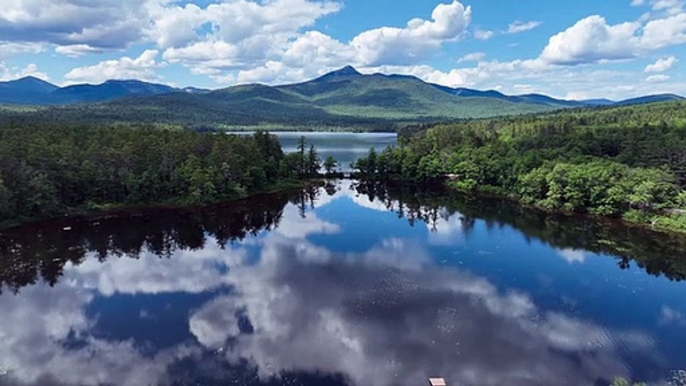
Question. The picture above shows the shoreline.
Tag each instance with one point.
(117, 209)
(638, 223)
(107, 210)
(655, 227)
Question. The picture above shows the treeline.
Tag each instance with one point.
(626, 161)
(52, 170)
(655, 114)
(216, 112)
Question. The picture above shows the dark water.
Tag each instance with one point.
(341, 286)
(344, 147)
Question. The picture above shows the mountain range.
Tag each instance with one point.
(341, 98)
(36, 92)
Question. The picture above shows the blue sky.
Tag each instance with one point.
(581, 49)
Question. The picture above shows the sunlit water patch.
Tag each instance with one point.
(344, 147)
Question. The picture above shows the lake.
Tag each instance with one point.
(346, 284)
(344, 147)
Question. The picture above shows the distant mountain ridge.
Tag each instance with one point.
(111, 89)
(340, 99)
(34, 91)
(25, 90)
(650, 99)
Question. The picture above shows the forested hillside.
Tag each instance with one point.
(340, 100)
(54, 170)
(30, 91)
(621, 161)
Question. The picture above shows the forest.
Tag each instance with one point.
(627, 162)
(47, 171)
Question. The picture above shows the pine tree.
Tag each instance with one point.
(330, 165)
(302, 147)
(313, 161)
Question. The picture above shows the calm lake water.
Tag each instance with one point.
(342, 285)
(344, 147)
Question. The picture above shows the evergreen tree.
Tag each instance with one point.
(371, 162)
(313, 161)
(330, 165)
(302, 148)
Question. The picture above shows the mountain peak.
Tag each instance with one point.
(29, 84)
(30, 79)
(345, 72)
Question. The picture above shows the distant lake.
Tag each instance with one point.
(345, 285)
(345, 147)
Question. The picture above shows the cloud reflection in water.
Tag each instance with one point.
(387, 316)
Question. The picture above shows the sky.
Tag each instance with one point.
(574, 49)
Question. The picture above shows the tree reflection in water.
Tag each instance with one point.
(42, 249)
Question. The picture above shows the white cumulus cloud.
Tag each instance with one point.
(238, 35)
(177, 26)
(593, 40)
(483, 34)
(660, 33)
(12, 73)
(670, 6)
(473, 57)
(657, 78)
(410, 44)
(142, 68)
(662, 65)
